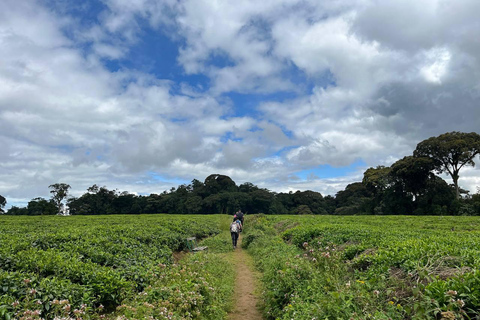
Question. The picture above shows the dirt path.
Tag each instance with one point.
(245, 300)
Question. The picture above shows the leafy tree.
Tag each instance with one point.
(193, 204)
(3, 202)
(450, 152)
(303, 209)
(438, 198)
(376, 180)
(41, 206)
(412, 173)
(98, 200)
(216, 183)
(276, 207)
(353, 200)
(16, 211)
(247, 187)
(261, 200)
(312, 199)
(59, 192)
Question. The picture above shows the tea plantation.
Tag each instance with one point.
(312, 267)
(112, 267)
(368, 267)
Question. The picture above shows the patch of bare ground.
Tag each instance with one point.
(446, 272)
(245, 300)
(177, 256)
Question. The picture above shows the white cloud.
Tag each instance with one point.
(375, 91)
(436, 68)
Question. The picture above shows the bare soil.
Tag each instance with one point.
(246, 302)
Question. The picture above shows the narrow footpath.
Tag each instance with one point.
(245, 299)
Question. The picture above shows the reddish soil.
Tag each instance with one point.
(245, 300)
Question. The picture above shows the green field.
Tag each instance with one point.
(105, 266)
(368, 267)
(312, 267)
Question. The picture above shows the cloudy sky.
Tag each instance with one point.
(143, 95)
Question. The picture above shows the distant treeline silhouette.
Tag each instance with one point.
(408, 187)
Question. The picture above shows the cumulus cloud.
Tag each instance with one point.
(333, 82)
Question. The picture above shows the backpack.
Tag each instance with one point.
(240, 226)
(234, 227)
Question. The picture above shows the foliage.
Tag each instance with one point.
(59, 192)
(3, 202)
(91, 265)
(367, 267)
(37, 206)
(450, 152)
(199, 287)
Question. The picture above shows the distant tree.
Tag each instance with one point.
(41, 206)
(198, 188)
(356, 196)
(286, 201)
(313, 200)
(261, 200)
(413, 174)
(193, 204)
(93, 189)
(247, 187)
(376, 180)
(438, 198)
(3, 202)
(450, 152)
(16, 211)
(223, 202)
(59, 192)
(216, 183)
(303, 209)
(276, 207)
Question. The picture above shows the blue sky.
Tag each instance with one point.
(143, 95)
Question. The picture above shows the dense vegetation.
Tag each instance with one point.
(104, 267)
(313, 267)
(367, 267)
(409, 186)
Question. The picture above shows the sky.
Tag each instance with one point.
(145, 95)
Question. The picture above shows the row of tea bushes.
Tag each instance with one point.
(87, 266)
(392, 267)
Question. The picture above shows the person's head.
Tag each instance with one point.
(235, 218)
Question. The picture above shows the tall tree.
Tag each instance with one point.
(41, 206)
(413, 174)
(3, 202)
(59, 192)
(450, 152)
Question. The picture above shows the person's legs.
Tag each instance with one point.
(234, 239)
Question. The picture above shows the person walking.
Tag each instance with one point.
(239, 215)
(235, 228)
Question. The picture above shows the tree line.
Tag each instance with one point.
(409, 186)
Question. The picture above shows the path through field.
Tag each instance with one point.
(245, 299)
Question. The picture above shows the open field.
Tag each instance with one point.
(106, 266)
(368, 267)
(312, 267)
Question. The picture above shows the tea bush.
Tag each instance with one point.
(368, 267)
(86, 266)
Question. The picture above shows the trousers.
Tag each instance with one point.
(234, 238)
